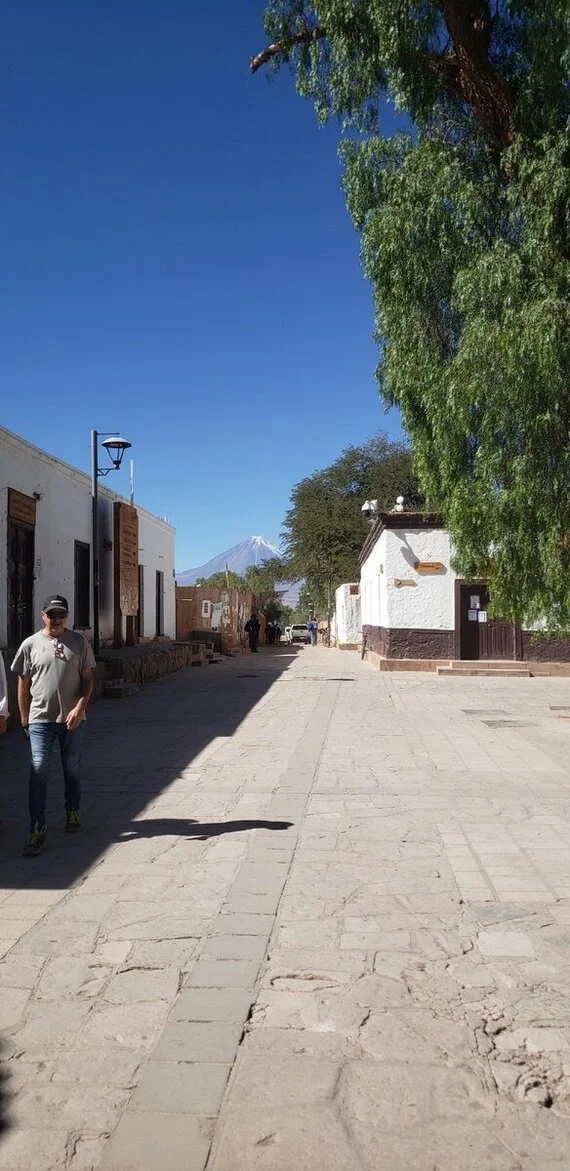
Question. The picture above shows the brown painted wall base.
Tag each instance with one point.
(537, 648)
(409, 644)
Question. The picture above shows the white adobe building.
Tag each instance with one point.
(417, 613)
(46, 530)
(346, 626)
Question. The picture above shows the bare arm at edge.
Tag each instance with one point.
(24, 698)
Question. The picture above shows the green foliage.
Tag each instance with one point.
(262, 579)
(325, 527)
(465, 234)
(224, 581)
(276, 612)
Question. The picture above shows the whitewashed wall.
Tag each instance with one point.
(63, 516)
(347, 625)
(427, 605)
(373, 600)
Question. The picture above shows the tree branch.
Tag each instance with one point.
(283, 46)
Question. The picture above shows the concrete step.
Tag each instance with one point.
(490, 664)
(119, 689)
(487, 672)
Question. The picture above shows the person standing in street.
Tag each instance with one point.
(252, 629)
(55, 669)
(313, 627)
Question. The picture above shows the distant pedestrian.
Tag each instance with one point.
(313, 627)
(278, 633)
(252, 628)
(270, 634)
(55, 668)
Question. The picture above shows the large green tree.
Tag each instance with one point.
(325, 528)
(466, 240)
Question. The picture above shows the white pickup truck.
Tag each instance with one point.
(298, 632)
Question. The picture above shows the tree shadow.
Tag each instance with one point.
(135, 748)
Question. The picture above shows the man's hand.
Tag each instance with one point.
(75, 716)
(2, 725)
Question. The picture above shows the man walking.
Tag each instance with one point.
(252, 628)
(313, 627)
(55, 668)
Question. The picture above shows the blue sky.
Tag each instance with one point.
(177, 261)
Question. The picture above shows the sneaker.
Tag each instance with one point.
(72, 821)
(37, 842)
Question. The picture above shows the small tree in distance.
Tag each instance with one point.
(324, 528)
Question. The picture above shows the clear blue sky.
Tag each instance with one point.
(177, 261)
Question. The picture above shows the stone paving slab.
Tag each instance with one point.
(317, 918)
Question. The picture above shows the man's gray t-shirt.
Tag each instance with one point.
(55, 666)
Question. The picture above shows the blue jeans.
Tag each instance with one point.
(42, 740)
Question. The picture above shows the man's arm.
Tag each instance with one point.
(24, 698)
(76, 714)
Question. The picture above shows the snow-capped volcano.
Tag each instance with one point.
(254, 551)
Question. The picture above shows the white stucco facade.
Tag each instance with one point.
(396, 594)
(347, 625)
(63, 517)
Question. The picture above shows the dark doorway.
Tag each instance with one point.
(82, 604)
(139, 620)
(20, 582)
(477, 635)
(159, 626)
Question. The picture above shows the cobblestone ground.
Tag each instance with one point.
(318, 919)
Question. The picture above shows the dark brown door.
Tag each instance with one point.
(82, 597)
(139, 623)
(20, 582)
(482, 637)
(471, 602)
(498, 640)
(159, 602)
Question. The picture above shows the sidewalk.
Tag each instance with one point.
(318, 920)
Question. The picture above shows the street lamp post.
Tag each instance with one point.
(115, 447)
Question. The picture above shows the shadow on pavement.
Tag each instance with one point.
(134, 749)
(188, 828)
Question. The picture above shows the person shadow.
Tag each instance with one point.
(188, 827)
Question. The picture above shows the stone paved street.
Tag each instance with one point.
(318, 920)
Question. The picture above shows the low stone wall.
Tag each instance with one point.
(144, 663)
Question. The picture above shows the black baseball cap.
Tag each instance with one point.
(55, 602)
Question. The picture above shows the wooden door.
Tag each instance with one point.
(159, 602)
(20, 582)
(482, 637)
(499, 640)
(471, 602)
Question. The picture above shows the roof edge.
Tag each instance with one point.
(399, 520)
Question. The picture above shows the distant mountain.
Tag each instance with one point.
(290, 594)
(254, 551)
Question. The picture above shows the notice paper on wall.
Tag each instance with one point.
(482, 616)
(473, 615)
(474, 602)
